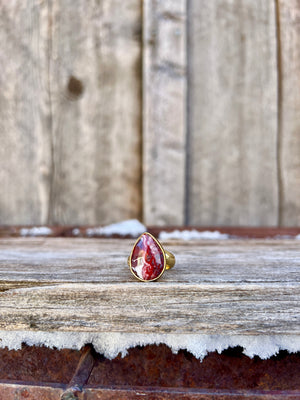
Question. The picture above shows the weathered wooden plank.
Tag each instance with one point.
(289, 119)
(24, 113)
(248, 309)
(164, 110)
(233, 113)
(70, 117)
(233, 287)
(30, 261)
(96, 111)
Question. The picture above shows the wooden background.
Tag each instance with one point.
(173, 112)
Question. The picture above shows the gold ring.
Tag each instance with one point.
(148, 260)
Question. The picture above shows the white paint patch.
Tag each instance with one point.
(113, 343)
(131, 227)
(297, 237)
(36, 231)
(192, 234)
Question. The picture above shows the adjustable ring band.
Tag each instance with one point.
(170, 260)
(148, 260)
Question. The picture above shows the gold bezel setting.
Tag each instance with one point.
(161, 249)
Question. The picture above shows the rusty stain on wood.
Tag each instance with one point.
(154, 373)
(41, 364)
(230, 370)
(15, 391)
(186, 394)
(10, 391)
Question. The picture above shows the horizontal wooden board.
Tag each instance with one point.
(233, 287)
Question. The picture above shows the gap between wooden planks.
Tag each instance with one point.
(217, 287)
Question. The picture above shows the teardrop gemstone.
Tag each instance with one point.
(147, 258)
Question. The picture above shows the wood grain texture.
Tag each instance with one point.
(233, 287)
(164, 105)
(233, 113)
(96, 111)
(70, 118)
(289, 119)
(24, 113)
(71, 112)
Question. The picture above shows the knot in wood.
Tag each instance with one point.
(75, 87)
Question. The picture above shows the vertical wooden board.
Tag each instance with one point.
(233, 113)
(164, 111)
(24, 113)
(96, 105)
(289, 28)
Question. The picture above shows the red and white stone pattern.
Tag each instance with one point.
(147, 259)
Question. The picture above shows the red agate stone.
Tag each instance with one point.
(147, 259)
